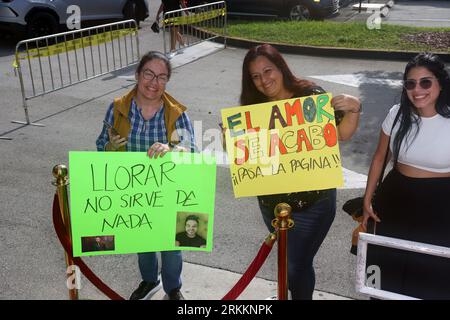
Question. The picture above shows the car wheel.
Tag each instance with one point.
(130, 12)
(298, 12)
(41, 24)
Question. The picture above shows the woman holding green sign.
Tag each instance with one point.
(148, 119)
(266, 77)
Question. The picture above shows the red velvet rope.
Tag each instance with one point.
(67, 245)
(233, 294)
(251, 271)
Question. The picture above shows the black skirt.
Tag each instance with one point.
(415, 209)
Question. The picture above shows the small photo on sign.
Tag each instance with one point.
(97, 243)
(191, 229)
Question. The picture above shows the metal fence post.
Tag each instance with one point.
(61, 183)
(282, 222)
(39, 78)
(197, 24)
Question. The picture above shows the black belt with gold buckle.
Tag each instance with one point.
(297, 200)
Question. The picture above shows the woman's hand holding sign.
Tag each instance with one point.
(158, 149)
(346, 102)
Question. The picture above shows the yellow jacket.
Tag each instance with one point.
(172, 111)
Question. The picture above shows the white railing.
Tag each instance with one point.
(366, 238)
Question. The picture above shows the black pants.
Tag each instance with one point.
(416, 209)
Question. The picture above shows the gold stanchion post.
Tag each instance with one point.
(61, 183)
(282, 222)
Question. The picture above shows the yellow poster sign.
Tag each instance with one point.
(283, 146)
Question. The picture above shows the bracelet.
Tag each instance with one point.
(359, 110)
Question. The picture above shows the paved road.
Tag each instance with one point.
(420, 13)
(406, 12)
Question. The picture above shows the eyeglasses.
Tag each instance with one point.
(424, 83)
(150, 75)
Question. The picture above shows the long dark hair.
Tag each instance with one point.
(409, 117)
(149, 56)
(250, 94)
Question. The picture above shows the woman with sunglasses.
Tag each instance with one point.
(412, 203)
(148, 119)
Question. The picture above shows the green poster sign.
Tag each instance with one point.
(125, 202)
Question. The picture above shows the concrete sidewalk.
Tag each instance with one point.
(205, 283)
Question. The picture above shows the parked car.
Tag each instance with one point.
(291, 9)
(41, 17)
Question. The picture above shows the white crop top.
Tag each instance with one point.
(430, 150)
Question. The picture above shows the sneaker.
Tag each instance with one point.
(145, 290)
(170, 55)
(175, 294)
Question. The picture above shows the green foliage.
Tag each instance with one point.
(331, 34)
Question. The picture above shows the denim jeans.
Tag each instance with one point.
(311, 225)
(171, 265)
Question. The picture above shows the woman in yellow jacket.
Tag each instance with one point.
(148, 119)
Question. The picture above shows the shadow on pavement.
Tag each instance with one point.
(377, 99)
(7, 45)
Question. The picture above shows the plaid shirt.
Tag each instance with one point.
(144, 133)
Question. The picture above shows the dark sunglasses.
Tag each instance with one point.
(424, 83)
